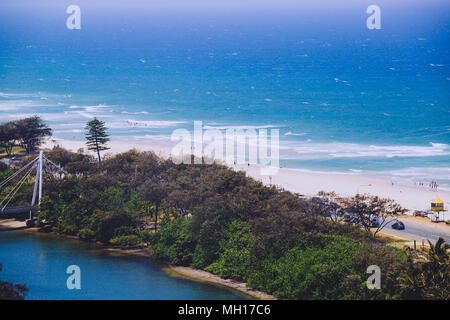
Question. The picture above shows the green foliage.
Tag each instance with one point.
(136, 205)
(174, 242)
(145, 236)
(105, 224)
(5, 172)
(96, 136)
(76, 163)
(124, 231)
(10, 291)
(310, 273)
(213, 218)
(206, 250)
(235, 258)
(86, 234)
(428, 278)
(363, 208)
(128, 241)
(9, 134)
(28, 133)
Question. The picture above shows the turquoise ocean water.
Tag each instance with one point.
(345, 98)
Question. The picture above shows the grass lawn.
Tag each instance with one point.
(15, 150)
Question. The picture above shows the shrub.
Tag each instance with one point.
(310, 273)
(174, 242)
(125, 241)
(86, 234)
(235, 259)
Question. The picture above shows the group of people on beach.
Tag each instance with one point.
(432, 185)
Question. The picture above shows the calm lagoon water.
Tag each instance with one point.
(40, 262)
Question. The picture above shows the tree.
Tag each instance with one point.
(76, 163)
(372, 211)
(328, 206)
(154, 191)
(31, 132)
(8, 136)
(428, 273)
(234, 226)
(96, 136)
(10, 291)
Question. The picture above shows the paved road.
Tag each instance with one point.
(419, 230)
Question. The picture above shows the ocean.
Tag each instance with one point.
(345, 98)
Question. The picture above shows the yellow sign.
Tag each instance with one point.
(437, 205)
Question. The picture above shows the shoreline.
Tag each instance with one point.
(207, 277)
(300, 181)
(187, 273)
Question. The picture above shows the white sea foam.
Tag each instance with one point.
(151, 124)
(68, 131)
(13, 105)
(241, 127)
(93, 108)
(311, 151)
(412, 175)
(16, 95)
(22, 95)
(137, 112)
(90, 115)
(421, 173)
(165, 138)
(295, 134)
(45, 116)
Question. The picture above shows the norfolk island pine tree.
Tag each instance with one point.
(96, 136)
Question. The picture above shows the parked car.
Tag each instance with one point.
(419, 213)
(354, 220)
(319, 200)
(374, 223)
(349, 218)
(398, 225)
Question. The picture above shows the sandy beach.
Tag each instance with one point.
(303, 182)
(310, 183)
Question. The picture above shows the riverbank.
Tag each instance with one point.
(204, 276)
(197, 275)
(174, 271)
(12, 224)
(304, 182)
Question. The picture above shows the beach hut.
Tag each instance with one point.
(437, 207)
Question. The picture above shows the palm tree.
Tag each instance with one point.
(438, 253)
(429, 276)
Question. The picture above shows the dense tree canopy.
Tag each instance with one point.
(9, 135)
(28, 133)
(213, 218)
